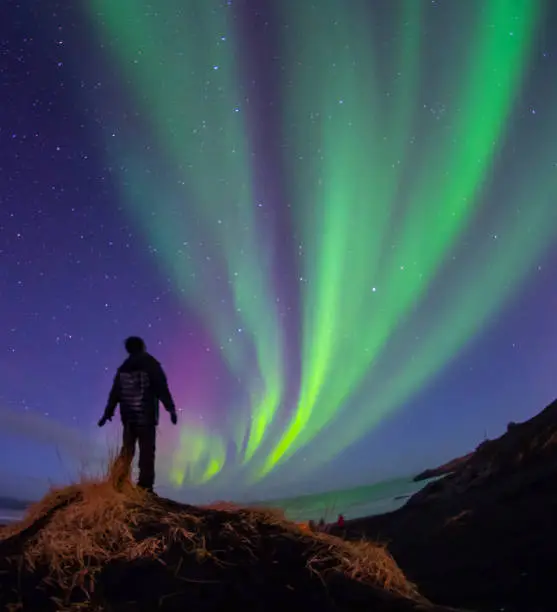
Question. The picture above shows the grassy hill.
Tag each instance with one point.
(95, 546)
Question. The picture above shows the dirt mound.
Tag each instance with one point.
(91, 547)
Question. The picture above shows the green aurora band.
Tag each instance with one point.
(379, 203)
(353, 191)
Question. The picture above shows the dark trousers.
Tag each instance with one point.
(145, 437)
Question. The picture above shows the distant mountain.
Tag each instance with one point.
(446, 468)
(10, 503)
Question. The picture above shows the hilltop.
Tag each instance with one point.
(93, 547)
(484, 535)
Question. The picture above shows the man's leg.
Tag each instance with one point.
(125, 459)
(147, 435)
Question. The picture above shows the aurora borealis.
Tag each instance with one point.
(334, 226)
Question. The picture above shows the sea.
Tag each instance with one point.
(351, 503)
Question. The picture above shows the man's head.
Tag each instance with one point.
(134, 345)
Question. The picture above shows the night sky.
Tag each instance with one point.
(333, 222)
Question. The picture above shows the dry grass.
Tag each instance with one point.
(102, 524)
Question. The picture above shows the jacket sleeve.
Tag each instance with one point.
(113, 399)
(162, 390)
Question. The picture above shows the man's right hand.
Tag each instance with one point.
(173, 418)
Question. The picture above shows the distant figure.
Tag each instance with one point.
(321, 525)
(340, 520)
(139, 384)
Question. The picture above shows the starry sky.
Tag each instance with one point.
(333, 223)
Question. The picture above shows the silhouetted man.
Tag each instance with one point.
(139, 384)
